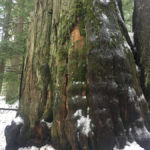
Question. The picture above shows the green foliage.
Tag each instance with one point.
(5, 49)
(8, 49)
(14, 22)
(128, 12)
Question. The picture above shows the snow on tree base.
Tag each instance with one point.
(6, 118)
(46, 147)
(130, 146)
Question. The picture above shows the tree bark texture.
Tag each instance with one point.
(141, 21)
(2, 68)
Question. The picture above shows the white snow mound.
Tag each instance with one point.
(131, 146)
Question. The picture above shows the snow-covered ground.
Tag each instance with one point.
(5, 119)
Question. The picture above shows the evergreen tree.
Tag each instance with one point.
(7, 6)
(14, 47)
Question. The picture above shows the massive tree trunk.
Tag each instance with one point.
(80, 75)
(141, 27)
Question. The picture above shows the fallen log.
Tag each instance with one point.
(11, 109)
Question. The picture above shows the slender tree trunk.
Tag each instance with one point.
(124, 28)
(2, 68)
(120, 7)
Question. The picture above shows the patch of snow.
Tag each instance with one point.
(49, 124)
(83, 97)
(137, 68)
(88, 110)
(105, 1)
(18, 120)
(130, 146)
(78, 113)
(132, 94)
(142, 97)
(83, 123)
(78, 82)
(107, 30)
(14, 1)
(75, 97)
(104, 17)
(6, 118)
(127, 45)
(141, 133)
(29, 148)
(131, 34)
(46, 147)
(3, 103)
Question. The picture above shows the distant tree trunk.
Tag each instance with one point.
(2, 68)
(141, 27)
(80, 75)
(120, 7)
(7, 10)
(123, 26)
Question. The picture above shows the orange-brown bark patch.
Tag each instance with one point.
(59, 127)
(84, 90)
(78, 40)
(49, 94)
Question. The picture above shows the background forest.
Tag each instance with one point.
(14, 24)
